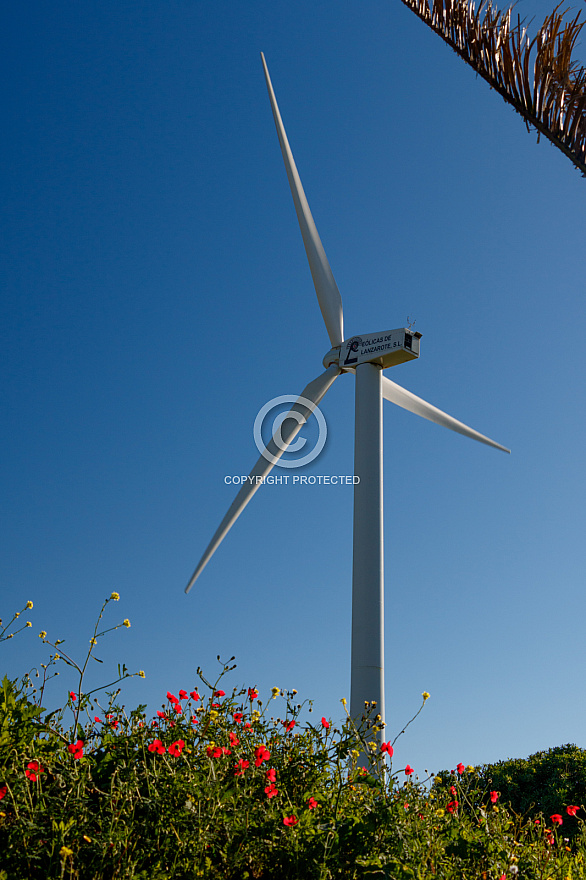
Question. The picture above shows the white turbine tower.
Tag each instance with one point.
(366, 356)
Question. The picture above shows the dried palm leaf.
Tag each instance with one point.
(538, 78)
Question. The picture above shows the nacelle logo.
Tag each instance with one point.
(353, 347)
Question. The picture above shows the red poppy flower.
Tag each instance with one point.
(452, 807)
(261, 753)
(157, 747)
(494, 796)
(556, 819)
(409, 770)
(571, 811)
(325, 724)
(98, 720)
(72, 695)
(288, 725)
(76, 749)
(176, 748)
(252, 693)
(271, 775)
(114, 724)
(194, 720)
(219, 693)
(171, 697)
(194, 695)
(453, 790)
(290, 820)
(248, 726)
(109, 716)
(214, 752)
(161, 714)
(271, 791)
(387, 747)
(182, 695)
(241, 766)
(234, 741)
(460, 768)
(178, 709)
(3, 790)
(312, 803)
(237, 716)
(33, 769)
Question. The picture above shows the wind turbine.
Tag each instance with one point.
(366, 356)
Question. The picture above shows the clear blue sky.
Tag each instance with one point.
(155, 294)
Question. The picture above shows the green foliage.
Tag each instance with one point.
(542, 783)
(18, 716)
(217, 787)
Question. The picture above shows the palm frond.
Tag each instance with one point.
(538, 77)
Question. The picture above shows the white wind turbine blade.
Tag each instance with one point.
(283, 437)
(407, 400)
(328, 295)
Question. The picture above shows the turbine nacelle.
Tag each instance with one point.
(386, 349)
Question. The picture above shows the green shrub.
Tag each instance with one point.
(542, 783)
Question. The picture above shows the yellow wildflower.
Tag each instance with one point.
(438, 779)
(29, 604)
(126, 623)
(28, 623)
(115, 596)
(440, 812)
(425, 696)
(43, 634)
(141, 673)
(65, 851)
(276, 691)
(17, 614)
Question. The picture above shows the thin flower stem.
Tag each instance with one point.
(408, 723)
